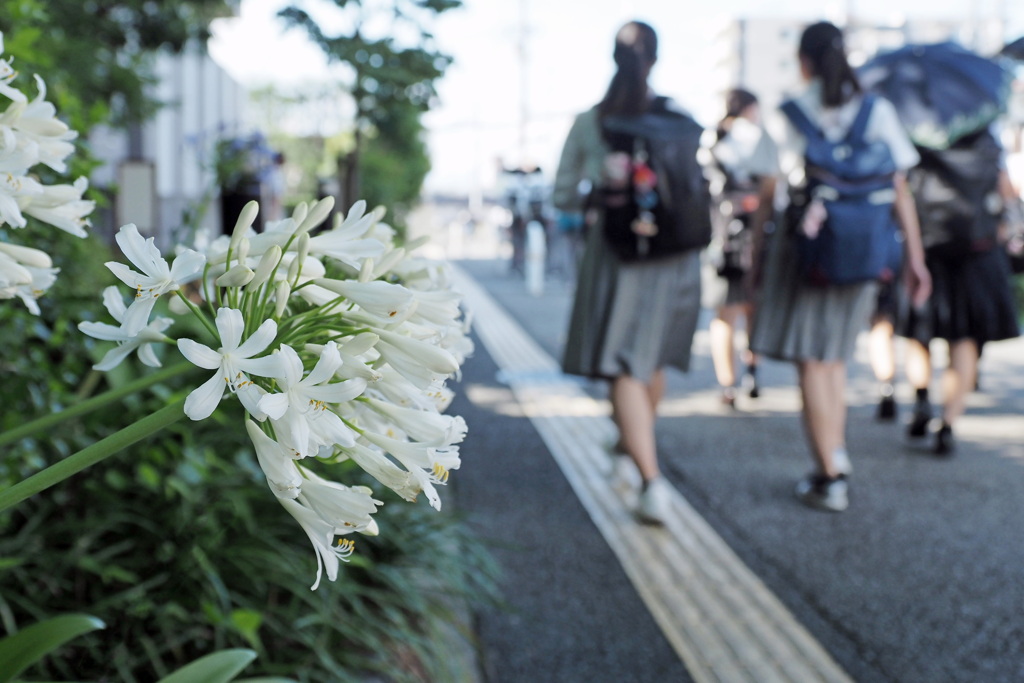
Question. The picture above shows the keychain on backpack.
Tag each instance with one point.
(644, 182)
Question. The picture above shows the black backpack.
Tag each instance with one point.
(957, 195)
(663, 206)
(853, 179)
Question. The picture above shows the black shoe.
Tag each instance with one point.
(944, 442)
(918, 427)
(886, 409)
(750, 384)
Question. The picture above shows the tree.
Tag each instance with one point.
(393, 72)
(395, 161)
(96, 55)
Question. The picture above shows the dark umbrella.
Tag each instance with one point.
(1014, 50)
(941, 91)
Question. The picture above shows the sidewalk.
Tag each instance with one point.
(921, 580)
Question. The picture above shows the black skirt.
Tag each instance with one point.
(972, 298)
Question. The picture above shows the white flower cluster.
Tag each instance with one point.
(31, 134)
(338, 344)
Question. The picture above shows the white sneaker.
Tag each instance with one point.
(841, 461)
(821, 493)
(652, 507)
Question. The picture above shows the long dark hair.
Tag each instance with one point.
(736, 101)
(636, 49)
(822, 46)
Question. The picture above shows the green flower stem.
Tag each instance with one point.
(94, 403)
(76, 462)
(210, 327)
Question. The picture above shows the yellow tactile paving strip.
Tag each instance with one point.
(721, 619)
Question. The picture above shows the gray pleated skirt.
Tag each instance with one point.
(796, 322)
(632, 318)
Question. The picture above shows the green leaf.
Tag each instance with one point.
(28, 646)
(219, 667)
(247, 622)
(272, 679)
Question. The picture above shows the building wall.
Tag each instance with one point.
(166, 163)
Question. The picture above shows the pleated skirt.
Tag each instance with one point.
(632, 318)
(972, 298)
(797, 322)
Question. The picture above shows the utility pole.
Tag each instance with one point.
(524, 108)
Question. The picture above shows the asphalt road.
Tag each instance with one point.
(922, 579)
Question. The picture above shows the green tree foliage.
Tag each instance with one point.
(96, 55)
(395, 162)
(396, 69)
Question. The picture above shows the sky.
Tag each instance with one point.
(565, 67)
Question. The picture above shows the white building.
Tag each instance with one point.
(162, 168)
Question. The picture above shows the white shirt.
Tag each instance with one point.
(883, 125)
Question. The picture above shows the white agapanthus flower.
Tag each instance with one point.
(8, 74)
(277, 464)
(300, 413)
(234, 361)
(157, 277)
(334, 353)
(127, 342)
(30, 135)
(329, 553)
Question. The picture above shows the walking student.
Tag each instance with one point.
(637, 297)
(820, 282)
(962, 193)
(748, 159)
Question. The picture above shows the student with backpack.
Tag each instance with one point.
(648, 215)
(847, 155)
(747, 159)
(962, 193)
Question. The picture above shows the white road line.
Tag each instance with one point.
(723, 622)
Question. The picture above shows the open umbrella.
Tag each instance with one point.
(941, 91)
(1014, 50)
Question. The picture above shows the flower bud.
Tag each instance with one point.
(303, 248)
(299, 215)
(316, 216)
(267, 266)
(245, 219)
(242, 252)
(239, 276)
(284, 290)
(27, 255)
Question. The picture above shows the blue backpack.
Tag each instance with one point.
(852, 178)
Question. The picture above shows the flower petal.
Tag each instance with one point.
(230, 326)
(114, 357)
(187, 266)
(199, 354)
(104, 331)
(274, 405)
(259, 340)
(204, 399)
(137, 315)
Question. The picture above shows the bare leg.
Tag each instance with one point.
(958, 379)
(634, 413)
(919, 364)
(656, 389)
(822, 389)
(883, 360)
(721, 333)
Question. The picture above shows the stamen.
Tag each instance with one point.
(345, 547)
(440, 473)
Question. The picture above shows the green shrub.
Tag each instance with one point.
(180, 548)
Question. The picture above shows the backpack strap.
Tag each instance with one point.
(800, 120)
(860, 123)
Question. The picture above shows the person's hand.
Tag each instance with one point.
(918, 281)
